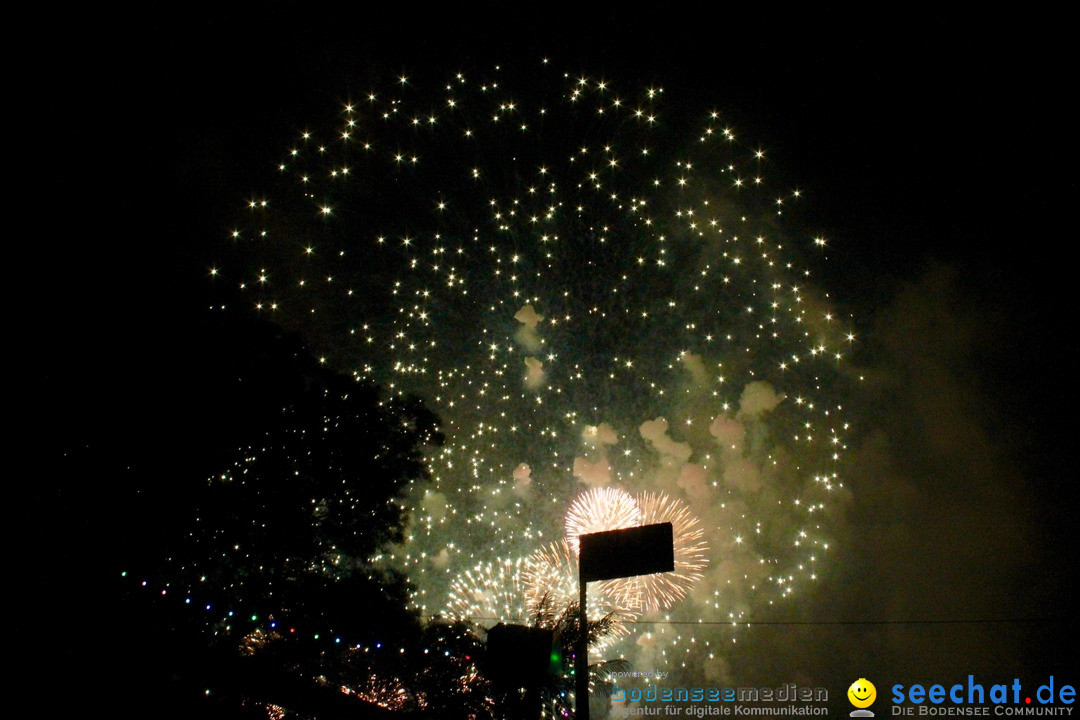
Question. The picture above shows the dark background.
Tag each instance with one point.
(937, 154)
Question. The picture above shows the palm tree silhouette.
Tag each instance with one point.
(556, 691)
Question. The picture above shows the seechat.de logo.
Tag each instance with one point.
(862, 694)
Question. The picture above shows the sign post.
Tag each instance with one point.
(625, 552)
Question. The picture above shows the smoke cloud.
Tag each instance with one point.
(534, 373)
(527, 335)
(931, 519)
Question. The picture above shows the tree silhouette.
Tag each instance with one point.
(557, 692)
(522, 685)
(263, 576)
(252, 516)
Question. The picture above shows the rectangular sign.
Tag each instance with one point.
(626, 552)
(519, 655)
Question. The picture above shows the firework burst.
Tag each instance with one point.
(589, 283)
(489, 593)
(600, 509)
(550, 575)
(649, 593)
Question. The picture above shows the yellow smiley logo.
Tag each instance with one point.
(862, 693)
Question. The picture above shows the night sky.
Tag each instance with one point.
(934, 152)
